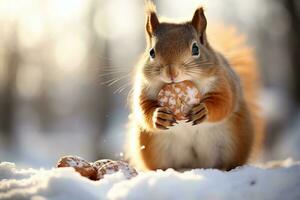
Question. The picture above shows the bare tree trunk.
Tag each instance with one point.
(101, 96)
(7, 99)
(294, 44)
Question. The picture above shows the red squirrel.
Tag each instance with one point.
(224, 129)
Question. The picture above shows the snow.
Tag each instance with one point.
(277, 180)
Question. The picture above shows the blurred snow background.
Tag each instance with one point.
(55, 55)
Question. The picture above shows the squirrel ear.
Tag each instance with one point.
(199, 22)
(151, 18)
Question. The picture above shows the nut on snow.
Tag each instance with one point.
(80, 165)
(115, 166)
(97, 170)
(179, 98)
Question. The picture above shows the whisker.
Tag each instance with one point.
(193, 72)
(122, 88)
(200, 64)
(108, 66)
(115, 80)
(104, 57)
(112, 70)
(188, 62)
(129, 95)
(110, 73)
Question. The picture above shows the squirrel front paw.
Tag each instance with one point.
(163, 118)
(197, 114)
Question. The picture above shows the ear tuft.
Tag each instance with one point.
(199, 20)
(152, 21)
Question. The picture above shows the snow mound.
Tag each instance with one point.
(277, 180)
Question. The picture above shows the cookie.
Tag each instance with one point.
(179, 98)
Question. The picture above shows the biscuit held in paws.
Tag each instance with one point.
(179, 98)
(80, 165)
(115, 166)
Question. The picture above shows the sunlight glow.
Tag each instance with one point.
(33, 25)
(70, 51)
(116, 18)
(66, 10)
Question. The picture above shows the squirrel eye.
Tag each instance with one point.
(152, 53)
(195, 50)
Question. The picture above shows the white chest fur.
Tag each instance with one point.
(184, 146)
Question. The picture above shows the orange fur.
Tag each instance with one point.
(148, 107)
(242, 59)
(146, 152)
(219, 103)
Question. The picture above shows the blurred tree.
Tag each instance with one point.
(101, 96)
(7, 95)
(292, 6)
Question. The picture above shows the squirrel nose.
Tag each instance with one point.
(173, 72)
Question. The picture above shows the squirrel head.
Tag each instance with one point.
(176, 51)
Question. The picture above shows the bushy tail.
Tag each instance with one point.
(242, 59)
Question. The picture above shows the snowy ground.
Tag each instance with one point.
(248, 182)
